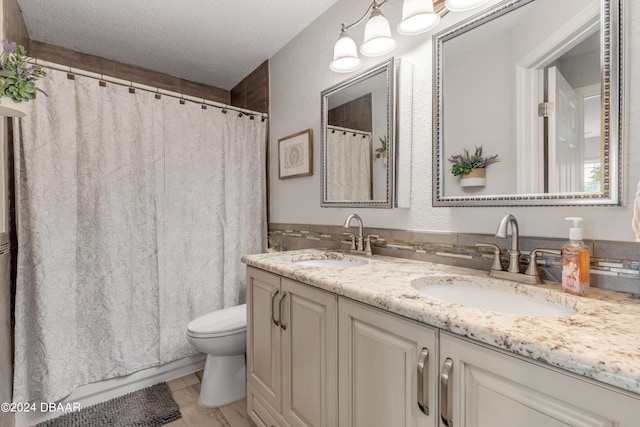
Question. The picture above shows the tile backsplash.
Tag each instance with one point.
(614, 265)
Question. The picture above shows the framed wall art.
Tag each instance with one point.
(295, 155)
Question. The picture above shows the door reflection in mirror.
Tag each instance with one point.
(538, 83)
(572, 121)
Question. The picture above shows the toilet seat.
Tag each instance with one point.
(220, 323)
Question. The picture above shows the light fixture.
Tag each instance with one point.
(377, 35)
(418, 16)
(462, 5)
(345, 54)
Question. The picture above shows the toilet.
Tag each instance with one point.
(222, 336)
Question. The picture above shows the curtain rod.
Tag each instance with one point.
(159, 92)
(347, 130)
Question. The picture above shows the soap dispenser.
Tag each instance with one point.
(576, 260)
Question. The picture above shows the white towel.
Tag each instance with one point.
(636, 214)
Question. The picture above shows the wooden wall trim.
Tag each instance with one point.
(252, 92)
(13, 26)
(96, 64)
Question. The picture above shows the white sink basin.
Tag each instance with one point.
(495, 300)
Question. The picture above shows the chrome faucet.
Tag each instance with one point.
(514, 252)
(513, 272)
(359, 243)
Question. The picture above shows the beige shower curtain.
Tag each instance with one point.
(133, 213)
(349, 170)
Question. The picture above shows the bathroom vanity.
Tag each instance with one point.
(291, 351)
(342, 340)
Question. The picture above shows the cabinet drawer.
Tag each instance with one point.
(257, 410)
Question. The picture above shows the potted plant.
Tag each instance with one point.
(275, 245)
(471, 168)
(17, 79)
(382, 150)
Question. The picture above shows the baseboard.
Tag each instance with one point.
(91, 394)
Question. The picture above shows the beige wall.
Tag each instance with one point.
(299, 72)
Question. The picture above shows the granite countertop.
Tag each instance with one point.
(600, 341)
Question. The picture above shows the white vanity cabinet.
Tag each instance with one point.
(316, 359)
(386, 364)
(291, 352)
(484, 387)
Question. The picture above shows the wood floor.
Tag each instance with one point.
(185, 392)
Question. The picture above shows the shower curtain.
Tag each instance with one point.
(349, 176)
(132, 215)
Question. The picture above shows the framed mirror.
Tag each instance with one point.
(537, 83)
(358, 140)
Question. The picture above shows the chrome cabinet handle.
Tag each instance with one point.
(282, 325)
(273, 298)
(423, 381)
(446, 393)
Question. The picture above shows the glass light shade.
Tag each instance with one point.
(417, 17)
(377, 35)
(345, 55)
(462, 5)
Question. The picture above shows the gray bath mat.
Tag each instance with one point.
(150, 407)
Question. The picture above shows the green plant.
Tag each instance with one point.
(383, 147)
(594, 180)
(276, 245)
(465, 162)
(17, 75)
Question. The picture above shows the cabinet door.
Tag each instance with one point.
(494, 389)
(378, 363)
(263, 335)
(309, 355)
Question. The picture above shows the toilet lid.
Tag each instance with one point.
(221, 322)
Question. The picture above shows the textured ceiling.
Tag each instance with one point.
(208, 41)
